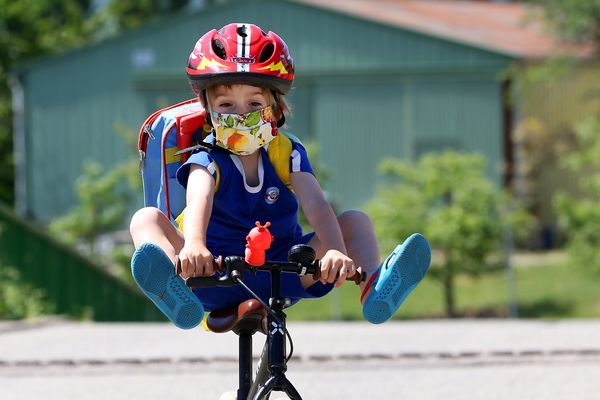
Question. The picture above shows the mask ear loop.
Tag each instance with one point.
(281, 120)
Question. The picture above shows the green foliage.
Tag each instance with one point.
(569, 21)
(448, 198)
(579, 214)
(35, 28)
(554, 95)
(132, 14)
(103, 199)
(577, 20)
(18, 300)
(28, 29)
(546, 288)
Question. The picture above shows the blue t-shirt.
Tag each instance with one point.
(237, 207)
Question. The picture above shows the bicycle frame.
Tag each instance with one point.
(270, 375)
(271, 378)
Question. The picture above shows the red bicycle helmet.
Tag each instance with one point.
(241, 53)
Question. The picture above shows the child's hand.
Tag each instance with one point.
(196, 260)
(333, 263)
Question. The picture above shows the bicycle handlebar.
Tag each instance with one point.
(235, 266)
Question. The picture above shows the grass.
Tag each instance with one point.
(551, 291)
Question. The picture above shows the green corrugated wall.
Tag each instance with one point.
(352, 74)
(74, 285)
(404, 118)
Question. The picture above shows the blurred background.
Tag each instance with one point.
(476, 123)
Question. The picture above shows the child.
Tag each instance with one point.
(241, 75)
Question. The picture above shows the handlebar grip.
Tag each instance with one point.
(218, 262)
(358, 277)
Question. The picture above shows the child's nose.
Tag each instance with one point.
(242, 109)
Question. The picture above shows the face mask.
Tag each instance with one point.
(243, 134)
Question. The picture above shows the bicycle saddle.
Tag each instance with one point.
(247, 317)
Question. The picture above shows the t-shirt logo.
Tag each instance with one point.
(272, 195)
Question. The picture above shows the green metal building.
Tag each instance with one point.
(371, 83)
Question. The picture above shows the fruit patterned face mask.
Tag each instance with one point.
(243, 134)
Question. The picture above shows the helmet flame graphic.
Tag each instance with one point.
(276, 67)
(207, 62)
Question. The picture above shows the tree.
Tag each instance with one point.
(31, 28)
(19, 299)
(448, 198)
(36, 28)
(555, 94)
(128, 15)
(573, 20)
(579, 214)
(103, 200)
(105, 197)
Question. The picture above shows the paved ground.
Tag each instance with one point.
(465, 359)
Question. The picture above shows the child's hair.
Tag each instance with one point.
(272, 97)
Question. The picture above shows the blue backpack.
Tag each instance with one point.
(166, 134)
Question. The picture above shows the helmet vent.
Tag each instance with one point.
(266, 53)
(219, 49)
(242, 31)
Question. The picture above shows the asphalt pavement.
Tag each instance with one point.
(433, 359)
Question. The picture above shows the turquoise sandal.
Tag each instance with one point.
(154, 273)
(396, 277)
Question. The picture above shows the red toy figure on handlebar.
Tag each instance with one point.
(257, 242)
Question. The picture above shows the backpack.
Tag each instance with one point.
(168, 131)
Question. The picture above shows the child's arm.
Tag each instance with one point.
(195, 258)
(321, 217)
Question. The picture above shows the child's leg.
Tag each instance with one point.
(360, 240)
(157, 243)
(389, 283)
(150, 225)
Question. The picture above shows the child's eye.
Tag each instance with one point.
(256, 104)
(224, 105)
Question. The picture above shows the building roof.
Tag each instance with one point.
(510, 28)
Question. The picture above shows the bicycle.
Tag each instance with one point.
(250, 316)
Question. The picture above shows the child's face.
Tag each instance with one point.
(237, 99)
(243, 117)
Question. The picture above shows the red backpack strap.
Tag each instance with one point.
(146, 128)
(187, 126)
